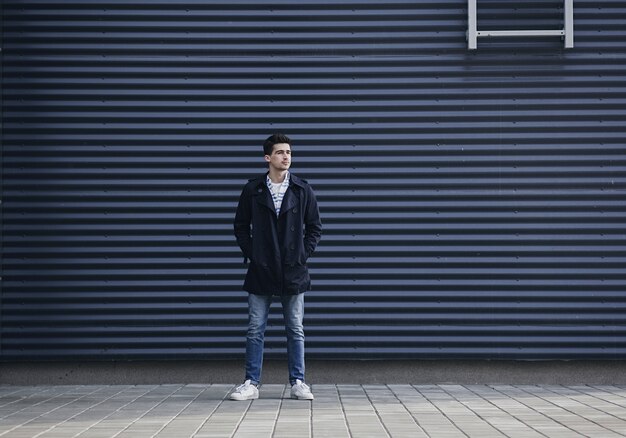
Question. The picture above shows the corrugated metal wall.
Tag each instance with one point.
(473, 202)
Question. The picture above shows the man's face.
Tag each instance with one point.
(280, 158)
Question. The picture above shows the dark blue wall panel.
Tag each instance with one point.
(474, 202)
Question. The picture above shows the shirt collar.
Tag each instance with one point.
(285, 182)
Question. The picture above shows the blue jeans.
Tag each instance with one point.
(258, 311)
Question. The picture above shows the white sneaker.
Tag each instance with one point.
(301, 391)
(246, 391)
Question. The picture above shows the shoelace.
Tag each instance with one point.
(304, 385)
(243, 386)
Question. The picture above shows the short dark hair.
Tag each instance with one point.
(272, 140)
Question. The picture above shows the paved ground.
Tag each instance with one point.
(337, 411)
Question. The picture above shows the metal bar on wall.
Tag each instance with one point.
(568, 20)
(519, 33)
(471, 25)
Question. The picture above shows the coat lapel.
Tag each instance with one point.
(291, 199)
(264, 197)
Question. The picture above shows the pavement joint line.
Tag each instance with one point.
(520, 389)
(310, 416)
(369, 409)
(380, 418)
(513, 415)
(340, 406)
(47, 412)
(146, 412)
(343, 410)
(280, 405)
(587, 406)
(195, 432)
(434, 404)
(245, 412)
(480, 416)
(612, 395)
(585, 396)
(574, 413)
(407, 410)
(12, 393)
(36, 404)
(181, 410)
(508, 412)
(77, 414)
(112, 413)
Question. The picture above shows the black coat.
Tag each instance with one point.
(278, 247)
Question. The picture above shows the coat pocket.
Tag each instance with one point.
(296, 277)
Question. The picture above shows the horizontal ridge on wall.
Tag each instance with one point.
(473, 202)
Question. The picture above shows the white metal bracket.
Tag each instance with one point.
(567, 33)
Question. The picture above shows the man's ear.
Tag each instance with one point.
(267, 158)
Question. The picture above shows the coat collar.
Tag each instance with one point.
(264, 197)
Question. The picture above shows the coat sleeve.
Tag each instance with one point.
(242, 225)
(312, 224)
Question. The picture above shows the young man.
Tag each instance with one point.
(277, 226)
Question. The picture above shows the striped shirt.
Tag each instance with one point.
(278, 191)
